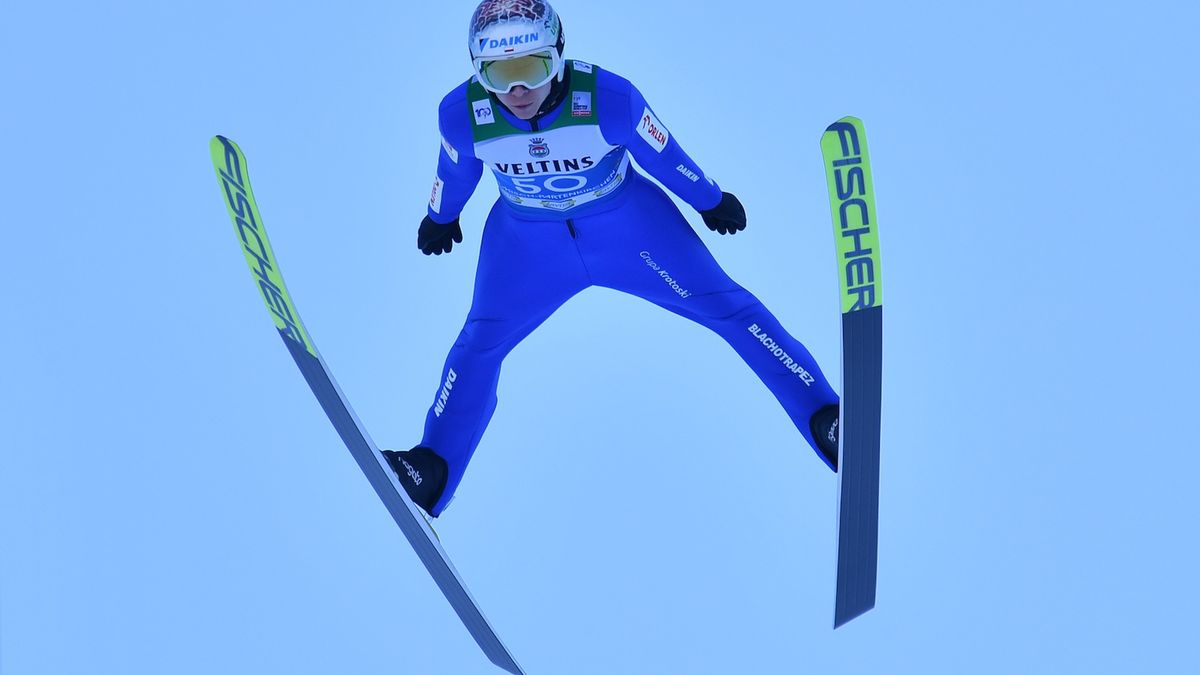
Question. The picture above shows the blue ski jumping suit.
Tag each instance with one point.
(573, 213)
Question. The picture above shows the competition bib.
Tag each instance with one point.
(554, 170)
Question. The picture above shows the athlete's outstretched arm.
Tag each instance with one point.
(626, 119)
(458, 169)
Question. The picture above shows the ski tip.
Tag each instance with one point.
(222, 142)
(848, 119)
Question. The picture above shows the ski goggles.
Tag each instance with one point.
(528, 70)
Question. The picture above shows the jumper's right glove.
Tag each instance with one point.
(436, 238)
(728, 217)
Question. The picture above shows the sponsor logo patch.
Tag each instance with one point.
(483, 111)
(435, 197)
(616, 181)
(581, 104)
(450, 151)
(653, 131)
(560, 206)
(583, 67)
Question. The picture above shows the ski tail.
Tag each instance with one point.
(852, 201)
(230, 164)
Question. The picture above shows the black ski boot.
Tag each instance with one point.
(824, 427)
(422, 473)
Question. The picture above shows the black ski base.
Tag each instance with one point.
(858, 514)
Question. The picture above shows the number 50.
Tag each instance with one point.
(552, 183)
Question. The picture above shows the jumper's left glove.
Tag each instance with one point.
(437, 238)
(728, 217)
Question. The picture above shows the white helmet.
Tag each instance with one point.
(516, 42)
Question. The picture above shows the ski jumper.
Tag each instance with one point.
(573, 213)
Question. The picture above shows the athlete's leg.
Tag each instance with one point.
(648, 249)
(526, 271)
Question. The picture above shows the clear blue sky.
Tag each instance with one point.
(172, 500)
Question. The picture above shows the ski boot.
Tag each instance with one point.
(422, 473)
(824, 427)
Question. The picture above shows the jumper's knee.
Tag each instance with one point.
(487, 336)
(729, 305)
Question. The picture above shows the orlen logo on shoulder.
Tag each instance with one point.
(508, 43)
(653, 131)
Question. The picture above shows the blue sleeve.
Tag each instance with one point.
(458, 170)
(626, 119)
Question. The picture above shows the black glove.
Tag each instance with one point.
(436, 238)
(728, 217)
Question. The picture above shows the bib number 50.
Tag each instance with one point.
(533, 186)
